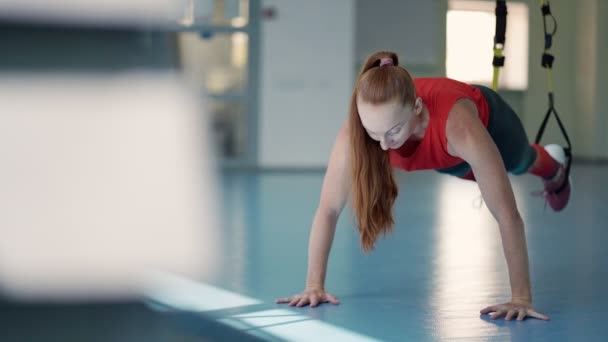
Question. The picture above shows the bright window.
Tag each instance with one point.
(470, 38)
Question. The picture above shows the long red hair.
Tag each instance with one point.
(374, 189)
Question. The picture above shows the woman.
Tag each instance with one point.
(433, 123)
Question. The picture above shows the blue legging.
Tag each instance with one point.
(508, 134)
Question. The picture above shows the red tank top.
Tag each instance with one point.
(439, 96)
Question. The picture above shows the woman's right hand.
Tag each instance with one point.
(311, 295)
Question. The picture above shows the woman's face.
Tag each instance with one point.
(391, 124)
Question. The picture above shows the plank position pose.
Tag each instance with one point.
(429, 123)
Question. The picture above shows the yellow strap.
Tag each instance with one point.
(497, 53)
(495, 78)
(549, 80)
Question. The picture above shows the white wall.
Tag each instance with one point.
(310, 56)
(403, 26)
(592, 79)
(306, 79)
(602, 85)
(586, 80)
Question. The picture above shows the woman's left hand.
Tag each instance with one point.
(513, 309)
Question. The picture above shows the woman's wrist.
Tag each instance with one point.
(314, 286)
(519, 299)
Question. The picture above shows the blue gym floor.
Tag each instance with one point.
(425, 282)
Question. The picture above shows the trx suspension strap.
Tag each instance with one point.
(547, 63)
(499, 40)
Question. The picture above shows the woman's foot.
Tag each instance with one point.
(557, 188)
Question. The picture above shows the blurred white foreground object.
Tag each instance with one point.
(102, 179)
(130, 13)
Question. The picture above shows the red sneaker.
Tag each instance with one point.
(557, 188)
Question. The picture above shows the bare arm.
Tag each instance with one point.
(469, 140)
(334, 194)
